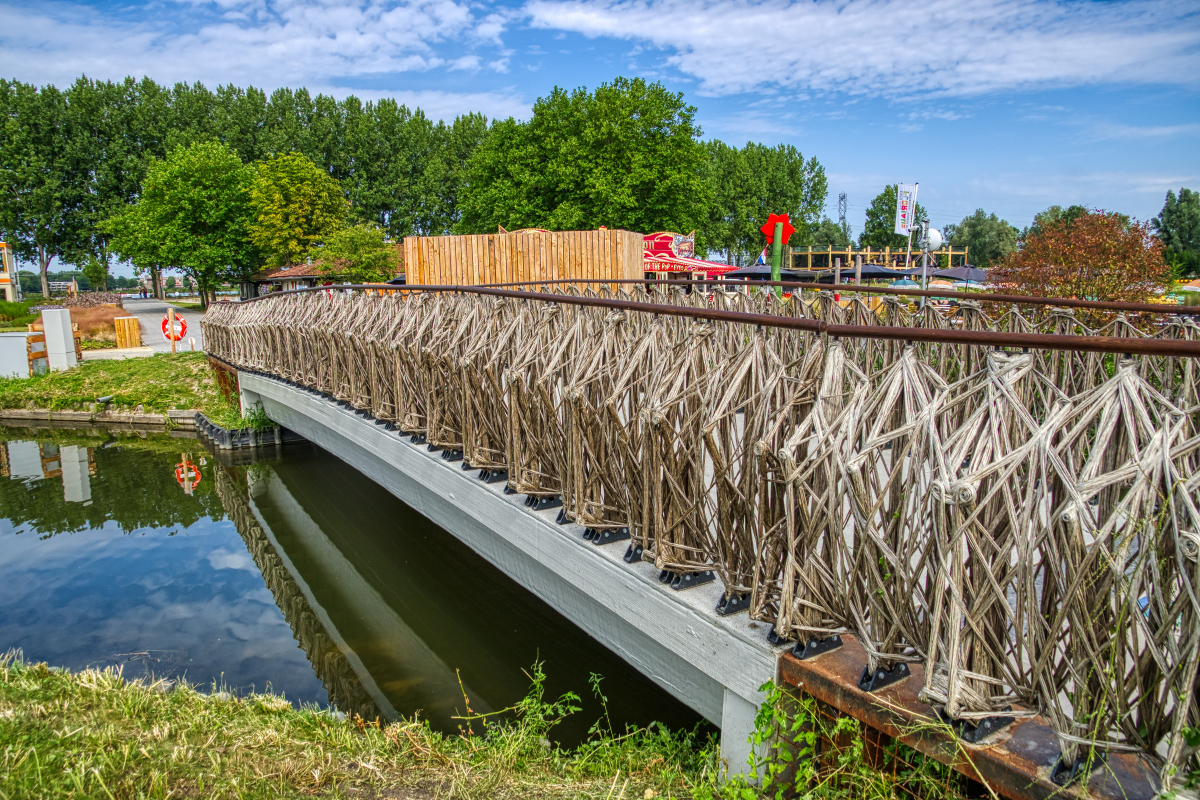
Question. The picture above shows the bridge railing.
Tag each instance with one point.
(1024, 523)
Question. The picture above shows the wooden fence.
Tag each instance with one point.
(531, 255)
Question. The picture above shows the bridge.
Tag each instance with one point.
(992, 514)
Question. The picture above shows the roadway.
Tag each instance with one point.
(150, 313)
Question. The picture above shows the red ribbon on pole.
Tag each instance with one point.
(769, 228)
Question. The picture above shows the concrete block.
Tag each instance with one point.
(14, 355)
(60, 339)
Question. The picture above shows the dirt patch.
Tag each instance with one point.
(95, 322)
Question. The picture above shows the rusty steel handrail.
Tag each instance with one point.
(987, 297)
(1039, 341)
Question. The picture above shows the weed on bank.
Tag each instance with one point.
(95, 734)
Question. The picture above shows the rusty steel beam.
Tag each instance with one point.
(988, 297)
(1015, 762)
(1039, 341)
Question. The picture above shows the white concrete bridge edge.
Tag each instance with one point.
(715, 665)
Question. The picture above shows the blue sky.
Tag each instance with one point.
(1011, 105)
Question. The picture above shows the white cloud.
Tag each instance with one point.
(322, 44)
(1113, 131)
(896, 49)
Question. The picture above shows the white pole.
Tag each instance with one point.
(924, 259)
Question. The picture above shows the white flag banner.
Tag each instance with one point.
(906, 206)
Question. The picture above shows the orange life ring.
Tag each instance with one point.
(182, 328)
(191, 473)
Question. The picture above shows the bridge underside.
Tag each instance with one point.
(712, 664)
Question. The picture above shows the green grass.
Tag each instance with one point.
(158, 384)
(15, 316)
(94, 734)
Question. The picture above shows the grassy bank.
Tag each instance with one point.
(93, 734)
(157, 384)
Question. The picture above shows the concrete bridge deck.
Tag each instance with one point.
(713, 664)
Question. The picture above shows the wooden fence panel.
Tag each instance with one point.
(523, 256)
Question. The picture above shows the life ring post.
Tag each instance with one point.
(168, 328)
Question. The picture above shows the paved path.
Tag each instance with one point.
(150, 314)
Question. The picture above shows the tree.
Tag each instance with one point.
(359, 253)
(96, 272)
(750, 184)
(170, 281)
(879, 229)
(1178, 228)
(294, 206)
(988, 238)
(193, 215)
(33, 188)
(829, 234)
(1098, 255)
(1052, 215)
(624, 156)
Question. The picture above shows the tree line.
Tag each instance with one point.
(221, 183)
(992, 241)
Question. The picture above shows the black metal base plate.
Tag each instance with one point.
(634, 554)
(976, 731)
(775, 639)
(603, 536)
(452, 455)
(815, 647)
(493, 475)
(883, 677)
(542, 503)
(1067, 774)
(686, 580)
(732, 604)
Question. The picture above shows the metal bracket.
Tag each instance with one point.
(466, 466)
(687, 580)
(509, 490)
(417, 438)
(603, 536)
(1065, 775)
(976, 731)
(452, 455)
(883, 677)
(732, 604)
(815, 647)
(433, 448)
(634, 554)
(542, 503)
(775, 639)
(493, 475)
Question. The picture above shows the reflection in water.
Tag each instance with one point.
(182, 566)
(107, 560)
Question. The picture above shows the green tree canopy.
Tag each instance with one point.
(96, 272)
(1051, 217)
(294, 206)
(34, 186)
(750, 184)
(360, 253)
(988, 238)
(193, 214)
(879, 229)
(1178, 227)
(624, 156)
(829, 234)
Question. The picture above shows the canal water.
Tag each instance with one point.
(296, 573)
